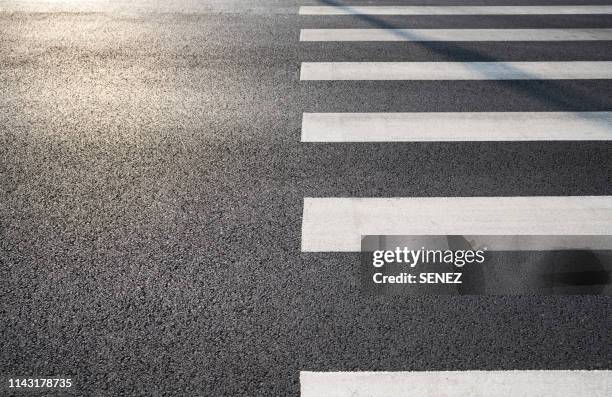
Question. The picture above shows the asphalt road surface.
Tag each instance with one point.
(153, 180)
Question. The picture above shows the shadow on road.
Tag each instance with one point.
(556, 94)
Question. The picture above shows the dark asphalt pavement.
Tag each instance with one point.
(152, 181)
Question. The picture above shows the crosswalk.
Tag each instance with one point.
(344, 214)
(336, 224)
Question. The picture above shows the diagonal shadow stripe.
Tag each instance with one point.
(554, 96)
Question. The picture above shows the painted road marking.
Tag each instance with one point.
(455, 10)
(455, 34)
(461, 126)
(456, 70)
(337, 224)
(551, 383)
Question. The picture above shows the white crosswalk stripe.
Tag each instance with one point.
(337, 224)
(457, 384)
(456, 70)
(456, 10)
(455, 34)
(460, 126)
